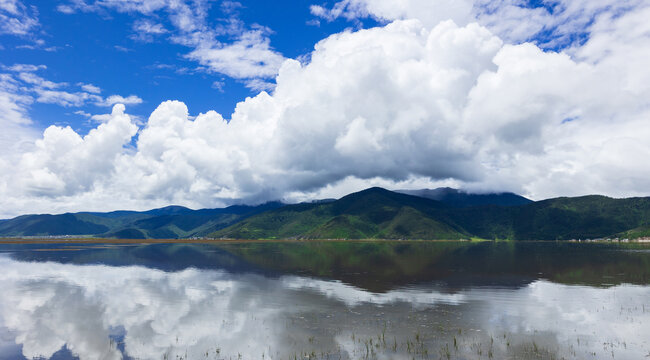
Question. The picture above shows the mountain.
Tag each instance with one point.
(458, 198)
(168, 222)
(563, 218)
(372, 213)
(379, 213)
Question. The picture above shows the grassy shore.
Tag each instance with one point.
(91, 240)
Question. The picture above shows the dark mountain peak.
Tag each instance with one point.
(444, 190)
(459, 198)
(379, 193)
(374, 198)
(167, 210)
(320, 201)
(371, 190)
(238, 209)
(171, 209)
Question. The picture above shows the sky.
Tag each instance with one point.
(136, 104)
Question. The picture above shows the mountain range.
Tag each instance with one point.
(373, 213)
(164, 223)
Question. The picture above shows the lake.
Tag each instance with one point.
(325, 300)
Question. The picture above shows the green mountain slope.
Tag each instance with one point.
(556, 219)
(36, 225)
(378, 213)
(372, 213)
(169, 222)
(639, 232)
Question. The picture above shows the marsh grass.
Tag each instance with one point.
(381, 339)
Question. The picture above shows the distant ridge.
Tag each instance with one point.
(458, 198)
(373, 213)
(170, 222)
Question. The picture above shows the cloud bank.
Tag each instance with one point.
(406, 104)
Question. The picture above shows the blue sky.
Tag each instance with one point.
(102, 49)
(135, 104)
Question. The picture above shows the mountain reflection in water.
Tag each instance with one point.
(151, 302)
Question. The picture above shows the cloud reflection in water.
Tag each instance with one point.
(46, 306)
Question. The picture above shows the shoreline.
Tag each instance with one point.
(90, 240)
(9, 241)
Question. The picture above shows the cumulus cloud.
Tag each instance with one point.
(64, 162)
(562, 23)
(399, 104)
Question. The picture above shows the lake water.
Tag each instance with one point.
(325, 300)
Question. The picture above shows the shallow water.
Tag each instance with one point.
(325, 300)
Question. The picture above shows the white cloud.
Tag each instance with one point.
(90, 88)
(228, 47)
(83, 113)
(122, 49)
(259, 85)
(63, 98)
(64, 162)
(66, 9)
(17, 135)
(141, 6)
(219, 85)
(24, 67)
(27, 84)
(32, 79)
(101, 117)
(558, 23)
(250, 56)
(429, 12)
(118, 99)
(17, 19)
(145, 30)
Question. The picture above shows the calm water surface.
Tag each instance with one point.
(325, 300)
